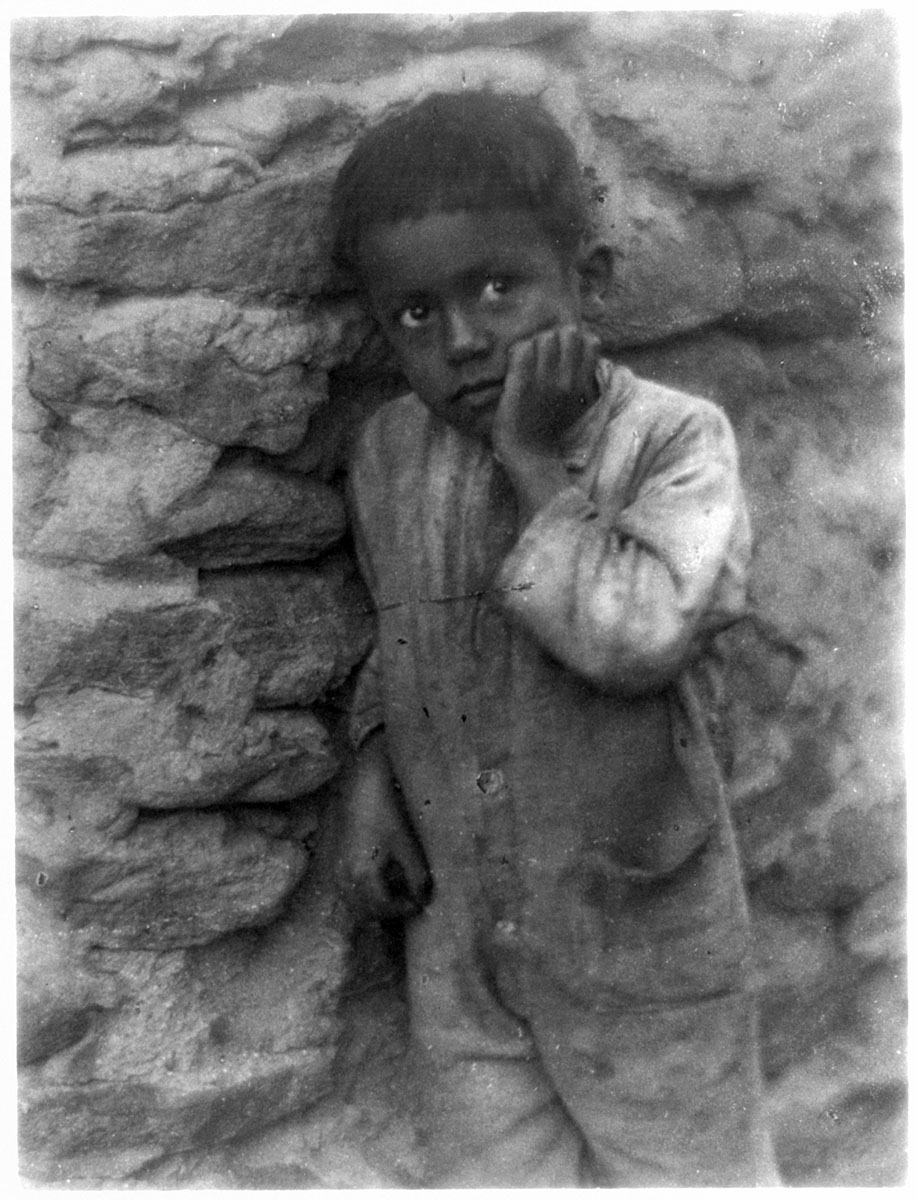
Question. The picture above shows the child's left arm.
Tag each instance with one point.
(623, 597)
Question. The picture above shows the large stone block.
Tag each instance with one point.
(130, 631)
(361, 1135)
(171, 881)
(837, 90)
(804, 984)
(209, 1043)
(98, 88)
(718, 365)
(257, 123)
(118, 178)
(263, 241)
(875, 929)
(839, 1114)
(679, 113)
(60, 995)
(345, 47)
(232, 376)
(676, 264)
(302, 629)
(250, 513)
(130, 483)
(797, 284)
(100, 751)
(119, 475)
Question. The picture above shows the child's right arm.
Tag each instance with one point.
(624, 591)
(379, 864)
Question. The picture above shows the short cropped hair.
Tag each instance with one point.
(476, 151)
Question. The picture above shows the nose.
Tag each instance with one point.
(465, 337)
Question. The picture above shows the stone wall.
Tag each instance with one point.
(195, 1005)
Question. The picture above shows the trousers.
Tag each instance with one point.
(533, 1073)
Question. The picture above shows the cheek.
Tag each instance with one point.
(414, 366)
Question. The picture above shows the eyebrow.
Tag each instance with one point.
(485, 268)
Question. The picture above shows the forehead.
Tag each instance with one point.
(438, 251)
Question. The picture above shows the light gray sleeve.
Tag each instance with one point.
(625, 597)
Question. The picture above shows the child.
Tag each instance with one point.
(550, 542)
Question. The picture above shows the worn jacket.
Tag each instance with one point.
(549, 669)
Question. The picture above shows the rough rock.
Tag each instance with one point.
(231, 376)
(119, 475)
(303, 630)
(734, 147)
(131, 483)
(841, 1115)
(129, 631)
(172, 881)
(263, 241)
(677, 267)
(60, 996)
(875, 929)
(193, 746)
(209, 1042)
(250, 513)
(795, 284)
(153, 178)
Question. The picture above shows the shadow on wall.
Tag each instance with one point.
(195, 1006)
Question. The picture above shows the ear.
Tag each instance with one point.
(595, 270)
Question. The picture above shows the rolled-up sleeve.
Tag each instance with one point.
(625, 594)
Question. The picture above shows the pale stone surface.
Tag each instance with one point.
(119, 476)
(677, 267)
(262, 241)
(196, 744)
(249, 513)
(155, 178)
(173, 881)
(78, 625)
(303, 630)
(209, 1043)
(875, 929)
(60, 996)
(231, 376)
(130, 483)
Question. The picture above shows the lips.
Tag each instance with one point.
(478, 393)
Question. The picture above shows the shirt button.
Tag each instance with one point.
(490, 782)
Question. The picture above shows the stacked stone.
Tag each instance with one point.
(191, 370)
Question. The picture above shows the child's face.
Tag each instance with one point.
(453, 291)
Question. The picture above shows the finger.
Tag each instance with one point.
(517, 387)
(548, 356)
(570, 361)
(521, 360)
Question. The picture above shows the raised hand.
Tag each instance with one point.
(550, 382)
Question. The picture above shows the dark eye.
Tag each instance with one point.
(414, 315)
(495, 287)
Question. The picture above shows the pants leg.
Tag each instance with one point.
(653, 1047)
(664, 1096)
(488, 1114)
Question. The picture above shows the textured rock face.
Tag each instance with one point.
(194, 1006)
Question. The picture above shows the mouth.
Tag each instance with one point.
(479, 394)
